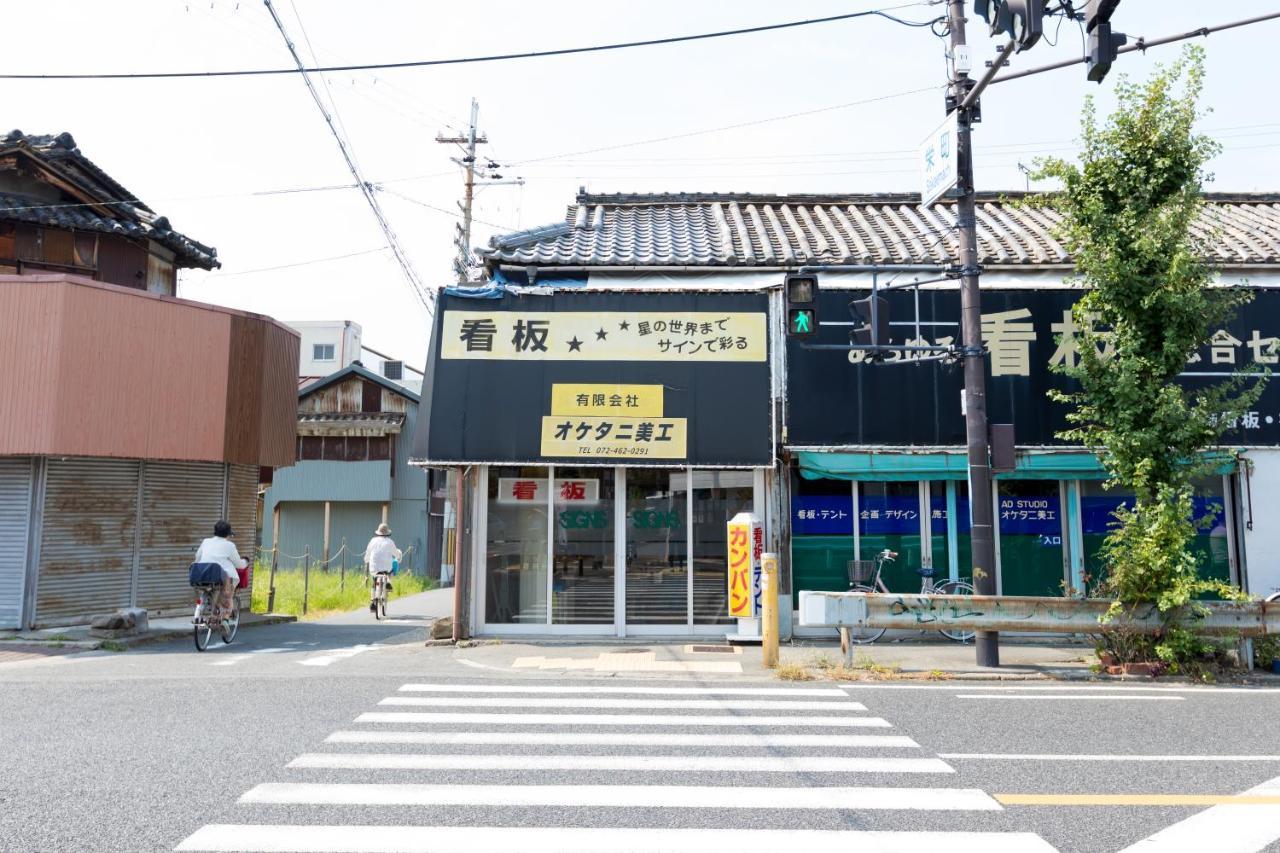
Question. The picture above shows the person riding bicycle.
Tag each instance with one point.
(219, 549)
(379, 555)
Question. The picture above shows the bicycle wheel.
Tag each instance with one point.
(202, 631)
(862, 636)
(232, 623)
(956, 588)
(382, 605)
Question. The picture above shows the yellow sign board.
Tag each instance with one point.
(641, 401)
(597, 437)
(740, 580)
(672, 336)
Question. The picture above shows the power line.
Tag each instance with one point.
(366, 189)
(497, 57)
(297, 264)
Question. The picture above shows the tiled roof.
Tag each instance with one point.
(787, 231)
(125, 215)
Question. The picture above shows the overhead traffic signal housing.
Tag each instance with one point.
(871, 321)
(1103, 43)
(1020, 20)
(802, 305)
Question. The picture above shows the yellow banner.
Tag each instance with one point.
(606, 437)
(641, 401)
(740, 599)
(691, 336)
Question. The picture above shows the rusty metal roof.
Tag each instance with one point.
(107, 207)
(787, 231)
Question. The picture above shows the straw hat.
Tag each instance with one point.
(383, 530)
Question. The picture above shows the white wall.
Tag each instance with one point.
(344, 335)
(1262, 543)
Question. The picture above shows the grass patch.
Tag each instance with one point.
(793, 672)
(113, 646)
(326, 592)
(822, 661)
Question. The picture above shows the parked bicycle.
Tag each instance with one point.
(206, 579)
(864, 576)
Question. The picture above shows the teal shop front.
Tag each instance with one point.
(1052, 514)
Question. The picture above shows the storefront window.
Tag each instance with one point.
(1097, 510)
(717, 497)
(1029, 517)
(583, 566)
(657, 564)
(516, 547)
(889, 517)
(821, 534)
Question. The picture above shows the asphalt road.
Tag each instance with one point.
(245, 748)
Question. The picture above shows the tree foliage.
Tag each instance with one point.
(1126, 215)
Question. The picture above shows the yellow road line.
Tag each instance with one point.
(1136, 800)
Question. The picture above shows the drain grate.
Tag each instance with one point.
(728, 650)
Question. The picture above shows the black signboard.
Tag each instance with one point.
(655, 378)
(833, 402)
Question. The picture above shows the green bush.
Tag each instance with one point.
(327, 592)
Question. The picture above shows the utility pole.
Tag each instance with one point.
(982, 542)
(462, 239)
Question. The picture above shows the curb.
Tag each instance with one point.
(144, 638)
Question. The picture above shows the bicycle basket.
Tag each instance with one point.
(861, 571)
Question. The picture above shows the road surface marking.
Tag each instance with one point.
(654, 763)
(616, 720)
(1092, 696)
(237, 657)
(229, 660)
(335, 655)
(1225, 828)
(628, 662)
(623, 796)
(1010, 756)
(653, 704)
(1265, 799)
(310, 838)
(645, 691)
(742, 740)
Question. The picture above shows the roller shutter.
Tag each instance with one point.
(15, 514)
(180, 503)
(88, 541)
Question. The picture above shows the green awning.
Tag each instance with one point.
(890, 466)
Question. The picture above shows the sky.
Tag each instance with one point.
(214, 154)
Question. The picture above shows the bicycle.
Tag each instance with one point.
(864, 576)
(206, 579)
(379, 599)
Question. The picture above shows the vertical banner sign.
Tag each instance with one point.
(938, 172)
(745, 543)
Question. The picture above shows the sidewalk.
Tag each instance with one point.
(167, 628)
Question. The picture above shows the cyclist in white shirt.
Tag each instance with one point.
(379, 554)
(219, 549)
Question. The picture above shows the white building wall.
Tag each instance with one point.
(1259, 499)
(342, 335)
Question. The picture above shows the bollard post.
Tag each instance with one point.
(342, 578)
(271, 579)
(306, 577)
(769, 609)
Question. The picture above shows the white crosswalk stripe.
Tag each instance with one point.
(708, 767)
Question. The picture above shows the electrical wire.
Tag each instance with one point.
(366, 189)
(297, 264)
(498, 57)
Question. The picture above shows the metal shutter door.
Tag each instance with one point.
(242, 512)
(180, 503)
(15, 513)
(87, 546)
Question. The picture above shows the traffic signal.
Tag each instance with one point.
(1020, 20)
(802, 305)
(871, 321)
(1103, 43)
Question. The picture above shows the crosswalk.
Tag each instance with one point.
(608, 767)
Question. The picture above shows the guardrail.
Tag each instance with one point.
(1021, 613)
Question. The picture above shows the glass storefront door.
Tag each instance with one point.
(1031, 543)
(657, 530)
(582, 569)
(717, 497)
